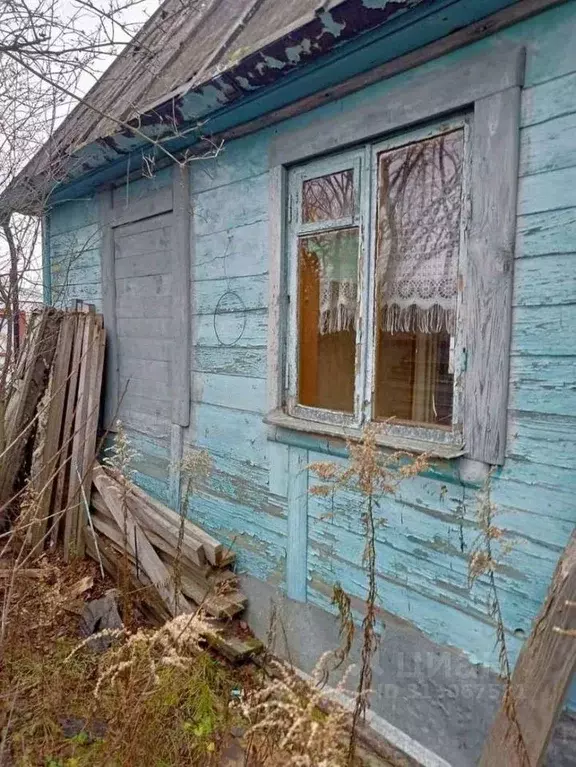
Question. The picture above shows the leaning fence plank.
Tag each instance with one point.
(45, 469)
(72, 497)
(92, 412)
(77, 463)
(66, 437)
(520, 733)
(27, 390)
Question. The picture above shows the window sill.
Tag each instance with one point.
(281, 420)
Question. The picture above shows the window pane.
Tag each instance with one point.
(327, 311)
(418, 242)
(328, 198)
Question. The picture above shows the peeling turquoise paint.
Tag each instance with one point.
(248, 501)
(331, 26)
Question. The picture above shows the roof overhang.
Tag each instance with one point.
(338, 41)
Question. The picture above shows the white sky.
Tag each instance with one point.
(137, 13)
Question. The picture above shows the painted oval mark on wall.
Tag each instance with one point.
(229, 318)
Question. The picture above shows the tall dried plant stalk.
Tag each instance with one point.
(373, 474)
(484, 563)
(194, 468)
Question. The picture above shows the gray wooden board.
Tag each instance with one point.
(109, 307)
(140, 546)
(47, 475)
(541, 676)
(28, 387)
(489, 267)
(146, 327)
(154, 204)
(181, 297)
(129, 306)
(59, 503)
(90, 443)
(145, 387)
(276, 287)
(74, 512)
(143, 265)
(143, 405)
(146, 286)
(143, 349)
(135, 367)
(144, 320)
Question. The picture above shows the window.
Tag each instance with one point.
(375, 248)
(404, 248)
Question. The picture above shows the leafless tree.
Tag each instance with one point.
(51, 52)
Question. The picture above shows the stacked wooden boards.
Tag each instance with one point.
(52, 422)
(163, 550)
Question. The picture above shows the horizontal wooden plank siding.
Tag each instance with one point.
(424, 548)
(75, 238)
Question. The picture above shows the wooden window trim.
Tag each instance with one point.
(489, 86)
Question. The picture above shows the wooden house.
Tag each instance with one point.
(301, 218)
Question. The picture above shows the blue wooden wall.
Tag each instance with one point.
(257, 496)
(74, 247)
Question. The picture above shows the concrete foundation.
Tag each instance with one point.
(429, 700)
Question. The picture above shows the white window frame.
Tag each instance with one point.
(345, 161)
(488, 87)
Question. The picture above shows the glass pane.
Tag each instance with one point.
(327, 312)
(418, 243)
(328, 198)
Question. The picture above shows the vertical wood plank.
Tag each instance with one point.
(97, 353)
(176, 446)
(61, 493)
(297, 545)
(112, 377)
(541, 677)
(181, 296)
(277, 201)
(489, 268)
(47, 474)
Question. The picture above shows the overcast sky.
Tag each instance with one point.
(137, 12)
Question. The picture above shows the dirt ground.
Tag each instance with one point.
(63, 704)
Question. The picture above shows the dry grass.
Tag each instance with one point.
(155, 698)
(288, 725)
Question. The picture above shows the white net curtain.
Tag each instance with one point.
(418, 239)
(419, 203)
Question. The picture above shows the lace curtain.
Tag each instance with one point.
(418, 240)
(337, 262)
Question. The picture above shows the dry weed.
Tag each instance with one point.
(483, 562)
(162, 699)
(373, 474)
(287, 723)
(177, 643)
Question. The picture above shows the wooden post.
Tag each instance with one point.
(541, 677)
